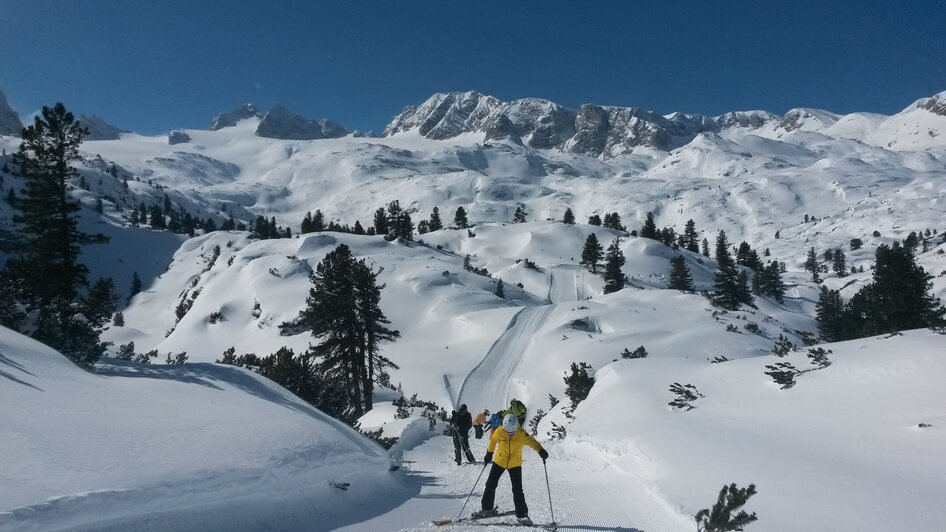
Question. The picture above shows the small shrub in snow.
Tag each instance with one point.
(553, 400)
(686, 395)
(752, 327)
(782, 346)
(177, 359)
(783, 373)
(118, 320)
(719, 359)
(126, 351)
(215, 317)
(578, 383)
(640, 352)
(557, 432)
(376, 436)
(145, 358)
(720, 518)
(732, 328)
(528, 264)
(402, 412)
(536, 419)
(819, 357)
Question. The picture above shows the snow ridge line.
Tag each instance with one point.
(509, 326)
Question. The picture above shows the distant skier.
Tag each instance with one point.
(460, 424)
(508, 443)
(480, 422)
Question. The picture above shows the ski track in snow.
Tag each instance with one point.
(587, 494)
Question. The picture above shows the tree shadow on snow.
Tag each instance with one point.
(14, 365)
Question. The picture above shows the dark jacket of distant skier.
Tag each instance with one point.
(505, 451)
(460, 424)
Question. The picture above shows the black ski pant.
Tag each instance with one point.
(461, 442)
(518, 498)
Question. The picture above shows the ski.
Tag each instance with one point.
(542, 526)
(443, 522)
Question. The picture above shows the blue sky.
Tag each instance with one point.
(153, 66)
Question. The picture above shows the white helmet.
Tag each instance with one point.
(511, 423)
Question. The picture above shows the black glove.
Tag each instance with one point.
(544, 455)
(487, 458)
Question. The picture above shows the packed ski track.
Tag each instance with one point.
(588, 491)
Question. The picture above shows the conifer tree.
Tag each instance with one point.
(435, 224)
(568, 217)
(594, 219)
(613, 263)
(578, 383)
(839, 263)
(691, 239)
(460, 220)
(727, 289)
(520, 214)
(45, 265)
(318, 221)
(613, 221)
(500, 291)
(649, 230)
(135, 285)
(422, 227)
(358, 229)
(592, 253)
(811, 265)
(380, 221)
(829, 313)
(705, 248)
(680, 278)
(101, 302)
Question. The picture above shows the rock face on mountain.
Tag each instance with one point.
(601, 131)
(242, 112)
(936, 104)
(9, 121)
(280, 123)
(178, 136)
(99, 129)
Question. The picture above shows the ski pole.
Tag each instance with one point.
(471, 491)
(549, 490)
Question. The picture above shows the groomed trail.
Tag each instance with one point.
(588, 490)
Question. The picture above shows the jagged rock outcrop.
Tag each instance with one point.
(9, 121)
(242, 112)
(502, 128)
(178, 136)
(592, 126)
(99, 129)
(280, 123)
(746, 119)
(445, 115)
(936, 104)
(807, 119)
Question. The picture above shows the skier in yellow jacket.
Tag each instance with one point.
(505, 451)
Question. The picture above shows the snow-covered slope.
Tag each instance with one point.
(192, 447)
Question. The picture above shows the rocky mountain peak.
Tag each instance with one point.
(281, 123)
(99, 129)
(9, 121)
(222, 120)
(936, 104)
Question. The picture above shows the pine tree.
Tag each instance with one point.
(811, 265)
(380, 221)
(649, 230)
(726, 283)
(520, 214)
(101, 302)
(568, 217)
(613, 263)
(592, 253)
(45, 265)
(594, 219)
(358, 229)
(839, 263)
(578, 383)
(306, 226)
(723, 516)
(705, 248)
(829, 315)
(680, 278)
(343, 312)
(460, 220)
(613, 221)
(422, 228)
(435, 224)
(318, 221)
(690, 240)
(500, 291)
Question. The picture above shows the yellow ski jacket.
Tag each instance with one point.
(507, 451)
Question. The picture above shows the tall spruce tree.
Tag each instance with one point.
(46, 264)
(704, 249)
(726, 280)
(380, 221)
(343, 311)
(839, 263)
(592, 252)
(594, 219)
(680, 278)
(435, 224)
(649, 230)
(568, 217)
(520, 215)
(829, 314)
(691, 239)
(460, 219)
(811, 265)
(613, 263)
